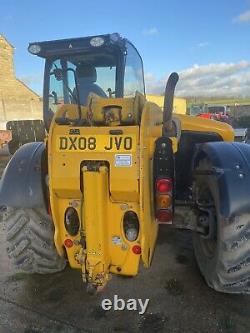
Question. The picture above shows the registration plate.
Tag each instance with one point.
(97, 143)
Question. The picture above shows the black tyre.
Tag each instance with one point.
(30, 241)
(13, 147)
(221, 245)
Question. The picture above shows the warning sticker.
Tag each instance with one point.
(123, 160)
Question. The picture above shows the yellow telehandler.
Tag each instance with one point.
(114, 166)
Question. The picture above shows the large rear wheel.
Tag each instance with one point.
(30, 241)
(221, 245)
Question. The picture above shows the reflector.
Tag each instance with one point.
(68, 243)
(136, 249)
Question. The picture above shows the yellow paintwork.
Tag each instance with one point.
(180, 104)
(107, 195)
(103, 194)
(96, 110)
(151, 116)
(197, 124)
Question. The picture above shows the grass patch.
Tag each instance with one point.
(222, 101)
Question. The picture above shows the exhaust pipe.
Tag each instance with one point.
(168, 103)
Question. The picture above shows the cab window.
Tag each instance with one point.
(73, 78)
(133, 76)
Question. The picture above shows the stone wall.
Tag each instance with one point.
(6, 59)
(17, 109)
(17, 101)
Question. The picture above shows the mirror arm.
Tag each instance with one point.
(168, 103)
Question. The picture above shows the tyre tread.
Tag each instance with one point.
(30, 241)
(230, 272)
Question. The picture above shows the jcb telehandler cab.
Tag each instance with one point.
(114, 166)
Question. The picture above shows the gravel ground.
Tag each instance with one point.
(180, 301)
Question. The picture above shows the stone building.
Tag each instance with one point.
(17, 101)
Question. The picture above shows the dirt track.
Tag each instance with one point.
(180, 301)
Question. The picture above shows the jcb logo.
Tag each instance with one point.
(97, 143)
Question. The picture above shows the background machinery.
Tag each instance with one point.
(209, 111)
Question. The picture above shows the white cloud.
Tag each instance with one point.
(150, 31)
(218, 79)
(203, 44)
(243, 18)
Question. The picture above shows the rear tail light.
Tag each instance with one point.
(131, 226)
(163, 200)
(164, 185)
(164, 215)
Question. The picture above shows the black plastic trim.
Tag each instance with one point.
(23, 181)
(230, 163)
(163, 163)
(163, 158)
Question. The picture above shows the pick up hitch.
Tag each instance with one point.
(95, 258)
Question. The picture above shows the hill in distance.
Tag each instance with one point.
(218, 100)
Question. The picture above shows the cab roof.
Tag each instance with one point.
(74, 45)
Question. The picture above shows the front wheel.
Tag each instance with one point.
(221, 245)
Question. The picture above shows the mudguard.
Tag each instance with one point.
(23, 181)
(231, 165)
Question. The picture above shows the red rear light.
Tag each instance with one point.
(68, 243)
(164, 185)
(164, 215)
(136, 249)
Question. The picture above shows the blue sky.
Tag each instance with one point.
(191, 37)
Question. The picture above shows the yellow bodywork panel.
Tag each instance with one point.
(102, 196)
(196, 124)
(179, 105)
(96, 195)
(150, 131)
(107, 112)
(107, 250)
(104, 169)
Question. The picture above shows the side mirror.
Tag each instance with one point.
(168, 103)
